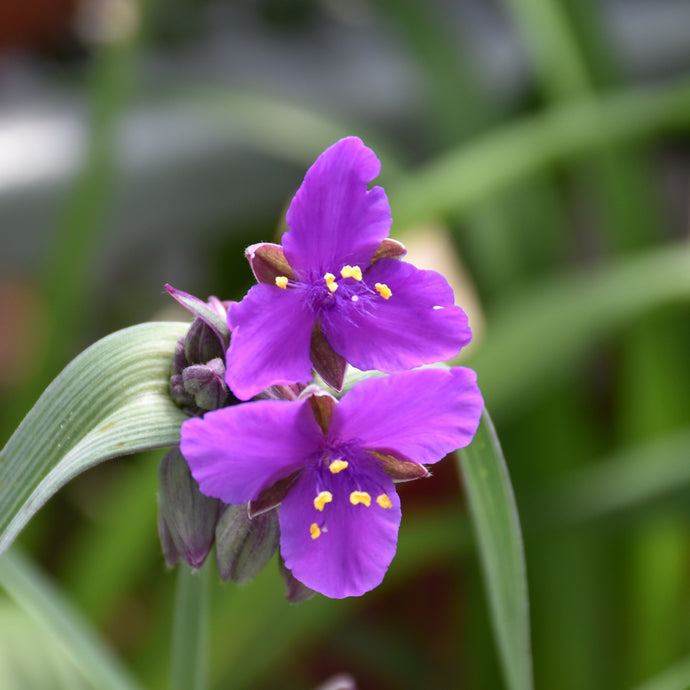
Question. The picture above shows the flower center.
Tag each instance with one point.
(343, 486)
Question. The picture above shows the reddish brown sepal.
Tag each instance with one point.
(322, 406)
(389, 249)
(267, 262)
(400, 470)
(270, 498)
(329, 365)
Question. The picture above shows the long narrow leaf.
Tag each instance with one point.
(471, 173)
(109, 401)
(538, 336)
(37, 595)
(677, 677)
(499, 542)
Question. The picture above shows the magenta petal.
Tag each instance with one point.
(421, 415)
(333, 219)
(236, 452)
(419, 324)
(356, 543)
(271, 336)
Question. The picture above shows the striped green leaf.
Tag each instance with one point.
(111, 400)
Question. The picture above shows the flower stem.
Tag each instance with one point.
(188, 649)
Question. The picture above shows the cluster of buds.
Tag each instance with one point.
(189, 523)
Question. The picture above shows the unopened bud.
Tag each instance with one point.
(186, 518)
(244, 545)
(295, 591)
(206, 384)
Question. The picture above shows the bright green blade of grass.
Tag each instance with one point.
(499, 542)
(111, 400)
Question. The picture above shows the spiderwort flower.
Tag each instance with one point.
(335, 291)
(331, 466)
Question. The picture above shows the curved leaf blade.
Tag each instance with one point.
(79, 643)
(111, 400)
(499, 541)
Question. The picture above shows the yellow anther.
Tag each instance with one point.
(281, 282)
(384, 501)
(383, 290)
(351, 272)
(330, 282)
(360, 497)
(323, 498)
(338, 466)
(314, 531)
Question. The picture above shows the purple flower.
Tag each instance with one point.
(335, 291)
(331, 466)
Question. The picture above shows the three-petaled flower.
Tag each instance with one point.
(335, 292)
(331, 466)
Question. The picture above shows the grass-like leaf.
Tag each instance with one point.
(537, 337)
(109, 401)
(499, 542)
(677, 677)
(62, 624)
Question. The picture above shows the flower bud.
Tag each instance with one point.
(186, 518)
(244, 545)
(202, 343)
(295, 591)
(206, 384)
(197, 381)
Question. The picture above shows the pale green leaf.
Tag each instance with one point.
(499, 542)
(677, 677)
(62, 625)
(109, 401)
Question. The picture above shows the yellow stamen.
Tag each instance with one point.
(281, 282)
(384, 501)
(338, 466)
(314, 531)
(330, 282)
(360, 497)
(383, 290)
(351, 272)
(323, 498)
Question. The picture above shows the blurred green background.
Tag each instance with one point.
(535, 151)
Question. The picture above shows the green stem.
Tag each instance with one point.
(188, 661)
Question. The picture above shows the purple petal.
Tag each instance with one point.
(419, 324)
(236, 452)
(271, 336)
(355, 543)
(420, 415)
(333, 219)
